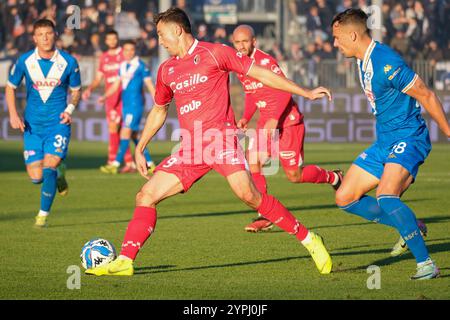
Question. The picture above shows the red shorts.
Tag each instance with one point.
(225, 157)
(290, 146)
(114, 112)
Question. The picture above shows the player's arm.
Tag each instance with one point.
(430, 101)
(95, 83)
(75, 97)
(249, 111)
(151, 88)
(15, 78)
(275, 81)
(112, 89)
(155, 120)
(15, 120)
(75, 93)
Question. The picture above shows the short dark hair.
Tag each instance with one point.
(112, 32)
(175, 15)
(43, 23)
(352, 16)
(132, 42)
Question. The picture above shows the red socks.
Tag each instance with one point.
(260, 182)
(276, 213)
(315, 174)
(139, 230)
(114, 141)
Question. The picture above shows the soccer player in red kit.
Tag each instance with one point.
(277, 110)
(109, 71)
(197, 78)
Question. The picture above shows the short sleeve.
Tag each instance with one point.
(399, 75)
(229, 59)
(163, 93)
(146, 72)
(101, 66)
(74, 77)
(16, 74)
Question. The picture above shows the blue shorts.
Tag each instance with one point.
(41, 140)
(410, 153)
(131, 119)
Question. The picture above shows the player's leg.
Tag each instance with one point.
(160, 186)
(243, 186)
(400, 171)
(363, 176)
(124, 143)
(113, 119)
(292, 156)
(260, 223)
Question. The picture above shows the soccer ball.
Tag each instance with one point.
(97, 252)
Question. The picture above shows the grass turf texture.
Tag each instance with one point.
(200, 249)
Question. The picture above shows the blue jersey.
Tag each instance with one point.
(132, 75)
(47, 81)
(385, 79)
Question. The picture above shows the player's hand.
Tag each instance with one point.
(16, 122)
(270, 126)
(86, 94)
(65, 118)
(141, 163)
(101, 99)
(242, 124)
(319, 92)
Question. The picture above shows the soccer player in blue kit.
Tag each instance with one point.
(391, 164)
(133, 75)
(48, 72)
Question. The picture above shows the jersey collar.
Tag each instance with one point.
(367, 55)
(191, 49)
(53, 58)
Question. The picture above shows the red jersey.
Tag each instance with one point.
(272, 103)
(199, 84)
(109, 66)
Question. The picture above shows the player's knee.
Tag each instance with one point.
(293, 177)
(36, 180)
(343, 197)
(146, 199)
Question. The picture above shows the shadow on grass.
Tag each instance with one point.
(147, 270)
(434, 248)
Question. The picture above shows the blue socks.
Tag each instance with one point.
(123, 146)
(367, 207)
(405, 222)
(48, 189)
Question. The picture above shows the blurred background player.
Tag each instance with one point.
(392, 162)
(108, 70)
(48, 72)
(133, 75)
(202, 98)
(277, 110)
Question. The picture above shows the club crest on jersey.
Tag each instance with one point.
(197, 59)
(46, 83)
(275, 69)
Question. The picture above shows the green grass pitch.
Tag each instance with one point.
(200, 249)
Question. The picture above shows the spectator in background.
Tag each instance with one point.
(202, 33)
(325, 14)
(433, 53)
(400, 43)
(220, 35)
